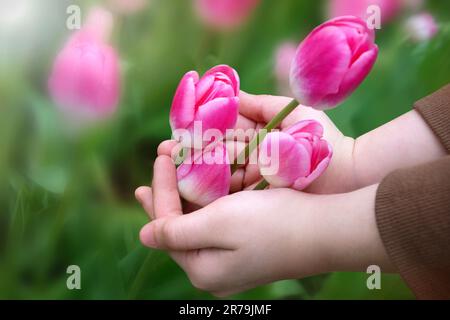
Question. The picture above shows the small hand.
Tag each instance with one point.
(255, 237)
(237, 242)
(254, 113)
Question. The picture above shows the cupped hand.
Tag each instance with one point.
(237, 242)
(255, 111)
(251, 238)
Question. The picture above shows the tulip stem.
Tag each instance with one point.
(261, 185)
(275, 122)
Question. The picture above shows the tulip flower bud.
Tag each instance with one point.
(224, 14)
(296, 157)
(332, 61)
(388, 8)
(210, 102)
(204, 176)
(283, 58)
(421, 27)
(85, 80)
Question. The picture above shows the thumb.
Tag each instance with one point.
(197, 230)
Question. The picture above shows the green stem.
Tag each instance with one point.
(275, 122)
(261, 185)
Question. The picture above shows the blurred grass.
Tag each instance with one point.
(67, 198)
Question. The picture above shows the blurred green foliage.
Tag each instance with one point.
(67, 197)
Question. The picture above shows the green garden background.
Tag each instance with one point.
(67, 196)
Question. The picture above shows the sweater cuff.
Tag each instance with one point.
(435, 109)
(413, 217)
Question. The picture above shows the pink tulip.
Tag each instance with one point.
(224, 14)
(332, 61)
(283, 58)
(421, 27)
(205, 175)
(296, 157)
(85, 80)
(358, 8)
(211, 101)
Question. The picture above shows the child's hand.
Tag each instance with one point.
(254, 113)
(255, 237)
(403, 142)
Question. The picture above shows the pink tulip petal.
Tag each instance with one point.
(85, 80)
(203, 183)
(203, 87)
(229, 72)
(355, 75)
(323, 157)
(220, 114)
(291, 160)
(310, 127)
(321, 63)
(183, 105)
(319, 72)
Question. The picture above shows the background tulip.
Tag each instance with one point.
(212, 100)
(283, 58)
(389, 8)
(85, 80)
(224, 14)
(295, 157)
(421, 27)
(332, 61)
(205, 175)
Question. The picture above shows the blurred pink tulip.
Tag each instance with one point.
(85, 80)
(224, 14)
(332, 62)
(301, 155)
(358, 8)
(205, 175)
(211, 101)
(421, 27)
(128, 6)
(283, 58)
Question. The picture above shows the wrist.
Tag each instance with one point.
(341, 175)
(349, 234)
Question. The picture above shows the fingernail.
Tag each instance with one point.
(147, 236)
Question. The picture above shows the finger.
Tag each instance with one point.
(261, 108)
(166, 199)
(168, 148)
(244, 123)
(188, 232)
(144, 196)
(237, 180)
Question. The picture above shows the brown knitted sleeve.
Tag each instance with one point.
(435, 109)
(413, 211)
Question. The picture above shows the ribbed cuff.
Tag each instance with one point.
(413, 217)
(435, 109)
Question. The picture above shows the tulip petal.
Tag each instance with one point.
(231, 74)
(207, 178)
(282, 160)
(305, 128)
(183, 105)
(220, 114)
(322, 157)
(355, 75)
(320, 65)
(85, 79)
(203, 86)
